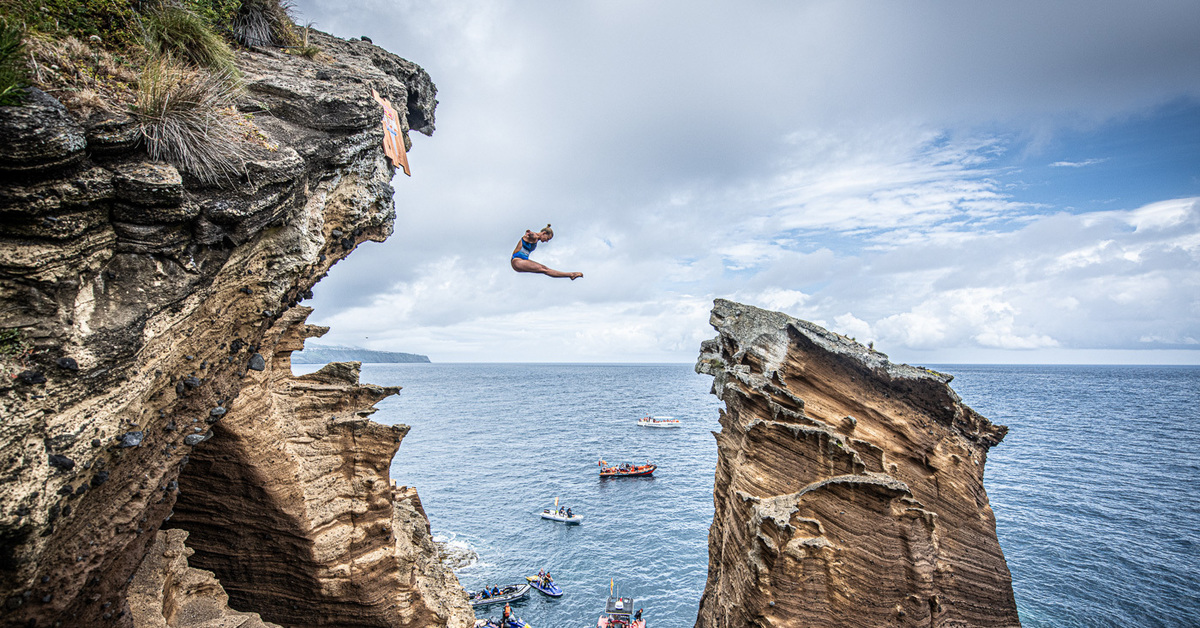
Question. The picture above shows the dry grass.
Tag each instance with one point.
(85, 78)
(187, 117)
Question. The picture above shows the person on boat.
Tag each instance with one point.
(520, 256)
(638, 615)
(569, 515)
(495, 591)
(507, 614)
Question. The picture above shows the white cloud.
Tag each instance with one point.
(1163, 215)
(849, 325)
(823, 159)
(779, 299)
(1077, 164)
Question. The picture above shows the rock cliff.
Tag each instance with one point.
(146, 319)
(848, 490)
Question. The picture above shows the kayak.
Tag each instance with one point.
(554, 516)
(550, 588)
(659, 421)
(508, 593)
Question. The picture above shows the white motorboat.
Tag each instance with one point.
(659, 421)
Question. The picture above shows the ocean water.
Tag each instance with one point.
(1094, 488)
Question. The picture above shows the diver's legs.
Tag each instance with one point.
(529, 266)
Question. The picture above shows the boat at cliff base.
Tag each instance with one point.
(508, 593)
(659, 421)
(618, 613)
(626, 470)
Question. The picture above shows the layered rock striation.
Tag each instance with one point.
(292, 504)
(848, 490)
(167, 592)
(145, 320)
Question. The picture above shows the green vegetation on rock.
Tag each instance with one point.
(13, 73)
(115, 22)
(12, 342)
(181, 33)
(168, 62)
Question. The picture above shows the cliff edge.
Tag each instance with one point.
(848, 490)
(147, 320)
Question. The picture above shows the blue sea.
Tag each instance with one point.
(1094, 488)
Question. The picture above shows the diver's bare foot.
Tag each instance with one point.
(575, 276)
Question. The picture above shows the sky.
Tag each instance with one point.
(956, 182)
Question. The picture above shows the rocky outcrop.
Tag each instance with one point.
(437, 586)
(291, 503)
(848, 490)
(141, 310)
(168, 593)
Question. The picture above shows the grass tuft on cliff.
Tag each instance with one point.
(178, 32)
(304, 49)
(13, 72)
(187, 117)
(265, 23)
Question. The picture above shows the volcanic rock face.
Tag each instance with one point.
(145, 319)
(167, 593)
(297, 476)
(848, 490)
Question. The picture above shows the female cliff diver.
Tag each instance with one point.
(520, 257)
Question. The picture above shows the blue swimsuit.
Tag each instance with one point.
(526, 249)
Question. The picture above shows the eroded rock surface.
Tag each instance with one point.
(848, 490)
(168, 593)
(307, 530)
(141, 310)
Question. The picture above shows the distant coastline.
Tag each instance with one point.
(324, 354)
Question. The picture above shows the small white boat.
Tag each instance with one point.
(557, 514)
(554, 516)
(659, 421)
